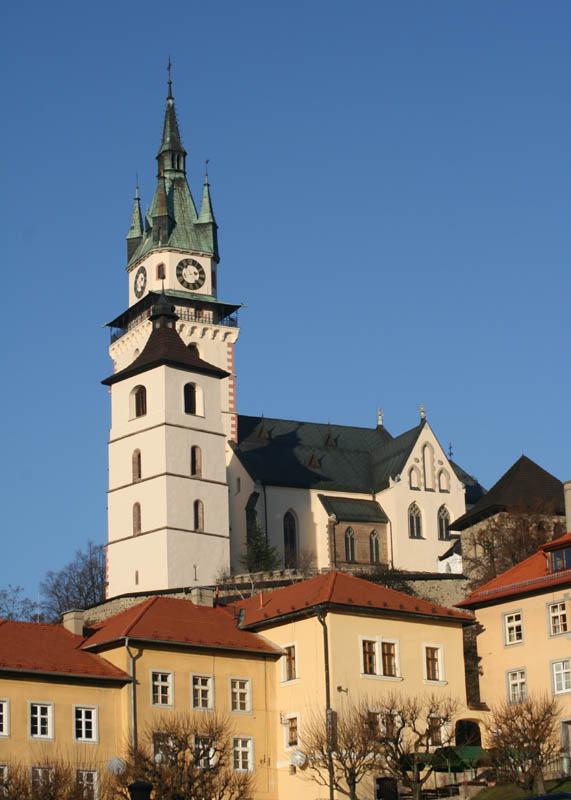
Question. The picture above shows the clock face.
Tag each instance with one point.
(190, 273)
(140, 282)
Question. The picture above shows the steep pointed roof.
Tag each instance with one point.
(524, 485)
(136, 230)
(206, 212)
(171, 141)
(338, 591)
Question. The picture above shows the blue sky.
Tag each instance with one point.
(391, 181)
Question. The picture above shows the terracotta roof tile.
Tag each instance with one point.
(35, 647)
(169, 619)
(531, 575)
(339, 589)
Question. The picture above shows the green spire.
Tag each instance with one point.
(171, 155)
(135, 235)
(206, 212)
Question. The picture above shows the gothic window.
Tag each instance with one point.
(136, 465)
(290, 541)
(196, 461)
(414, 522)
(414, 478)
(428, 464)
(198, 515)
(374, 548)
(443, 481)
(349, 545)
(443, 523)
(136, 518)
(139, 395)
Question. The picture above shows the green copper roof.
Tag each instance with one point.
(206, 212)
(171, 137)
(136, 228)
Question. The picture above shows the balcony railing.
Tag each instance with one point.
(183, 313)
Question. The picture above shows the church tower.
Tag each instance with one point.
(172, 391)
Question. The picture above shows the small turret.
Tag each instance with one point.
(135, 235)
(206, 222)
(171, 157)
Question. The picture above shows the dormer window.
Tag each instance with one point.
(561, 559)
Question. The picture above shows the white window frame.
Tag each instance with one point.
(5, 728)
(41, 769)
(522, 695)
(554, 663)
(250, 751)
(439, 647)
(169, 684)
(379, 674)
(507, 626)
(201, 676)
(562, 612)
(3, 775)
(51, 733)
(79, 771)
(95, 711)
(286, 720)
(248, 690)
(211, 758)
(285, 679)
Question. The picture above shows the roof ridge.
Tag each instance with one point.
(308, 422)
(507, 572)
(145, 605)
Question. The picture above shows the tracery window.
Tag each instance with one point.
(374, 548)
(349, 545)
(443, 523)
(414, 522)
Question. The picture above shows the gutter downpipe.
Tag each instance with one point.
(321, 614)
(134, 741)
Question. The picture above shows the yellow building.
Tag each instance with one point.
(524, 640)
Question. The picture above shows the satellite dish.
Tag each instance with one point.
(116, 766)
(298, 759)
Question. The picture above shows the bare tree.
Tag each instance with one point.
(189, 757)
(506, 539)
(346, 741)
(15, 605)
(54, 779)
(80, 584)
(410, 729)
(523, 739)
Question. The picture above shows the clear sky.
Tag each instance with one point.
(392, 185)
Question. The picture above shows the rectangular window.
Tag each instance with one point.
(561, 676)
(558, 618)
(389, 659)
(240, 694)
(514, 628)
(3, 776)
(42, 778)
(86, 780)
(292, 732)
(517, 688)
(389, 723)
(435, 731)
(290, 669)
(4, 717)
(369, 657)
(242, 760)
(432, 655)
(202, 692)
(161, 683)
(85, 724)
(41, 721)
(204, 751)
(165, 746)
(561, 559)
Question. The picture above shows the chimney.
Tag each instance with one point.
(567, 490)
(73, 620)
(202, 597)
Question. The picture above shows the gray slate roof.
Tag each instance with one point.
(313, 455)
(347, 510)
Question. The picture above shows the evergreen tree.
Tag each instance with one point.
(259, 556)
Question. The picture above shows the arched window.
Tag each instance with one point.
(428, 464)
(137, 471)
(198, 515)
(190, 398)
(290, 541)
(414, 522)
(139, 395)
(349, 545)
(443, 481)
(443, 523)
(136, 518)
(374, 548)
(196, 461)
(161, 272)
(414, 478)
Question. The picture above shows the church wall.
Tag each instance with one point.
(362, 532)
(308, 525)
(208, 415)
(150, 443)
(123, 420)
(138, 563)
(195, 558)
(240, 487)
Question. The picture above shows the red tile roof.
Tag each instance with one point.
(339, 589)
(168, 619)
(531, 575)
(35, 647)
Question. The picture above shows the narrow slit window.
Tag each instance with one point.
(136, 518)
(196, 461)
(198, 515)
